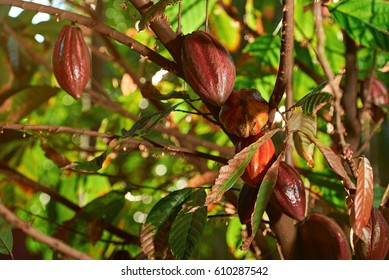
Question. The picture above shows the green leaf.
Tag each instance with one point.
(6, 238)
(188, 226)
(192, 15)
(314, 100)
(366, 21)
(104, 208)
(231, 172)
(155, 231)
(264, 194)
(225, 29)
(166, 206)
(266, 49)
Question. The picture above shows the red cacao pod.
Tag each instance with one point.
(246, 202)
(208, 67)
(323, 239)
(71, 61)
(245, 113)
(289, 192)
(260, 162)
(376, 245)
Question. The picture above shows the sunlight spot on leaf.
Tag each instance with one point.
(161, 170)
(47, 165)
(67, 100)
(39, 38)
(40, 17)
(181, 183)
(15, 12)
(143, 103)
(139, 217)
(158, 76)
(44, 199)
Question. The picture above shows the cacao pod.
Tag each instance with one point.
(208, 67)
(377, 235)
(245, 113)
(71, 61)
(246, 203)
(323, 239)
(259, 163)
(289, 193)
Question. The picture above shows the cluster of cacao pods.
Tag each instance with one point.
(71, 61)
(209, 70)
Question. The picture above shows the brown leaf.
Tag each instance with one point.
(363, 200)
(334, 161)
(154, 243)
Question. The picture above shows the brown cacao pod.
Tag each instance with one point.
(259, 163)
(377, 243)
(71, 61)
(289, 192)
(208, 67)
(246, 202)
(245, 113)
(323, 239)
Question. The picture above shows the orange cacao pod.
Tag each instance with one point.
(259, 163)
(289, 192)
(71, 61)
(244, 113)
(208, 67)
(323, 239)
(376, 245)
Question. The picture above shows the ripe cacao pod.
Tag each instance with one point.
(208, 67)
(323, 239)
(289, 193)
(245, 113)
(246, 202)
(260, 162)
(377, 243)
(71, 61)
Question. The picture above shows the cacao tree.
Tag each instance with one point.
(185, 129)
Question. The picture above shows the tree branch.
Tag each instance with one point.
(17, 177)
(101, 28)
(338, 110)
(161, 27)
(286, 57)
(28, 229)
(349, 98)
(110, 136)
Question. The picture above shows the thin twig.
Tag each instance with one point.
(28, 229)
(110, 136)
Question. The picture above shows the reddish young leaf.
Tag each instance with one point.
(363, 200)
(333, 161)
